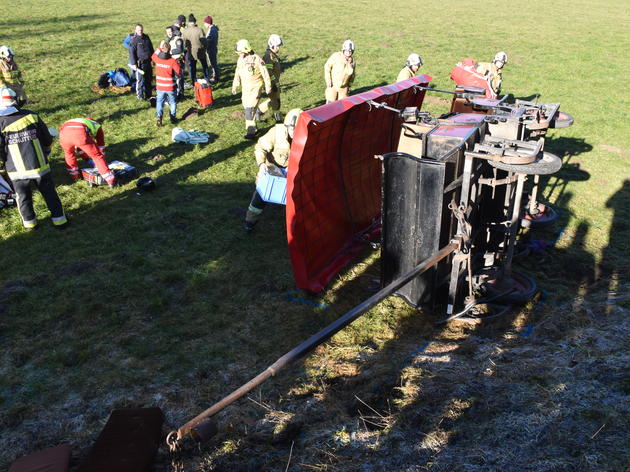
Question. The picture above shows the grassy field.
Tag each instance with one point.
(160, 299)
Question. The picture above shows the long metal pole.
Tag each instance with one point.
(317, 339)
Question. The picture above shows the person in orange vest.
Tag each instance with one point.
(167, 72)
(85, 137)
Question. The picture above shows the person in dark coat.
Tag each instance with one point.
(195, 44)
(212, 45)
(140, 52)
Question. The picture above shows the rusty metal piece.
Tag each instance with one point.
(307, 346)
(53, 459)
(127, 443)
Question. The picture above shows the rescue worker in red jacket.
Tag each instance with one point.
(167, 72)
(24, 147)
(85, 137)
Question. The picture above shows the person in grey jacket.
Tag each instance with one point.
(212, 46)
(195, 45)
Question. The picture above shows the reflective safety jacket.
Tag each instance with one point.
(10, 74)
(24, 144)
(11, 77)
(274, 147)
(272, 62)
(339, 71)
(492, 74)
(251, 74)
(177, 46)
(165, 69)
(91, 127)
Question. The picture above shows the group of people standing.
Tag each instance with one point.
(185, 44)
(25, 141)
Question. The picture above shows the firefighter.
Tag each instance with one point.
(84, 137)
(339, 72)
(24, 147)
(251, 75)
(271, 149)
(176, 44)
(140, 51)
(167, 73)
(493, 71)
(11, 75)
(272, 62)
(414, 62)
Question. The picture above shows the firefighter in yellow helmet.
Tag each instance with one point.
(272, 62)
(414, 62)
(339, 72)
(11, 75)
(251, 75)
(272, 150)
(493, 71)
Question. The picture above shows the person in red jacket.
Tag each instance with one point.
(167, 71)
(86, 136)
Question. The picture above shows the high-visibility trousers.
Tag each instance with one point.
(73, 137)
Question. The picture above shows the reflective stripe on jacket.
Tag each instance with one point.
(24, 144)
(165, 68)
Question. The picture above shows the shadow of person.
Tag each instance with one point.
(614, 267)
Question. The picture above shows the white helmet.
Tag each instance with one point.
(414, 60)
(274, 41)
(500, 57)
(6, 52)
(243, 46)
(8, 97)
(348, 45)
(291, 120)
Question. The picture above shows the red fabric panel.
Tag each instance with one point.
(334, 182)
(463, 74)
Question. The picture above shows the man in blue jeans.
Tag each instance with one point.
(167, 71)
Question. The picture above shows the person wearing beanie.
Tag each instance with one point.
(178, 25)
(167, 71)
(195, 45)
(212, 46)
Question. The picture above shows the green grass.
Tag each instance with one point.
(162, 299)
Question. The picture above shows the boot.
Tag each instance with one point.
(174, 120)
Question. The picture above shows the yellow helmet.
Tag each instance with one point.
(243, 46)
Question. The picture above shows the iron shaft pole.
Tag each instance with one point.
(318, 338)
